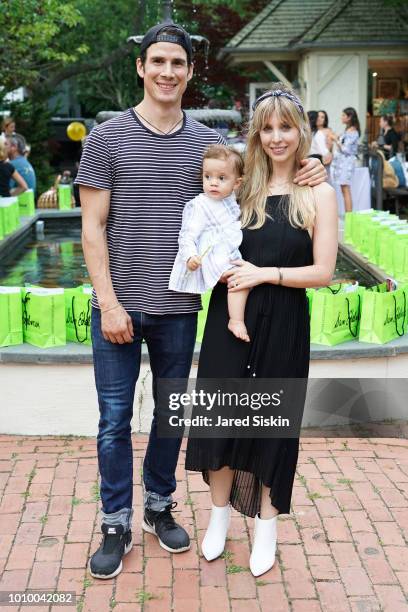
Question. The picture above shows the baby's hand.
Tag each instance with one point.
(194, 262)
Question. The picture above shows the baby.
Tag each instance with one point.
(211, 234)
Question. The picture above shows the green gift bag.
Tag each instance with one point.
(386, 241)
(78, 314)
(64, 197)
(338, 287)
(348, 227)
(370, 239)
(381, 230)
(202, 315)
(397, 253)
(15, 213)
(401, 262)
(335, 316)
(381, 288)
(359, 227)
(44, 317)
(11, 318)
(9, 214)
(384, 316)
(26, 204)
(309, 294)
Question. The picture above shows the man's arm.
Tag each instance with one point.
(116, 324)
(313, 172)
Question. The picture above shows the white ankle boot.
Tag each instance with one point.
(264, 547)
(216, 534)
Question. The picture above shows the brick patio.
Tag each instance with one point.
(343, 548)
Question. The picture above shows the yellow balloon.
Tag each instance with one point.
(76, 131)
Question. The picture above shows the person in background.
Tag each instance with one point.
(17, 150)
(318, 148)
(344, 160)
(322, 123)
(388, 139)
(8, 127)
(8, 171)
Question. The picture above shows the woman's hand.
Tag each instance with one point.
(327, 159)
(244, 276)
(313, 173)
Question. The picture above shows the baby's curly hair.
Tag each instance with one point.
(218, 151)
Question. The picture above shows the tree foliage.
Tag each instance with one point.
(46, 42)
(115, 86)
(32, 39)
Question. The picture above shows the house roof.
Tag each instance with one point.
(293, 25)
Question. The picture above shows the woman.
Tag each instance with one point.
(7, 172)
(323, 126)
(8, 127)
(289, 243)
(319, 146)
(344, 161)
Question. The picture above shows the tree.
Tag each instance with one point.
(31, 40)
(115, 86)
(47, 41)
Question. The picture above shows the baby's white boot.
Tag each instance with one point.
(214, 540)
(264, 547)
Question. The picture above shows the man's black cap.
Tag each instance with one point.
(178, 36)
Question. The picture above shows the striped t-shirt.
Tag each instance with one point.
(151, 177)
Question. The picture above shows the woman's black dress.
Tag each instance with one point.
(277, 320)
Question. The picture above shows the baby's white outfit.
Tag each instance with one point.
(211, 229)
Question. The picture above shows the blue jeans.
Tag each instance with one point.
(170, 342)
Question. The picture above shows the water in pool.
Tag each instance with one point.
(57, 260)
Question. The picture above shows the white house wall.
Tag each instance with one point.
(334, 81)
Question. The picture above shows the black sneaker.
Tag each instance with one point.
(172, 537)
(106, 562)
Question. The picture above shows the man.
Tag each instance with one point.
(136, 174)
(16, 151)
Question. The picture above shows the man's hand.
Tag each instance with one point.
(313, 173)
(117, 326)
(193, 263)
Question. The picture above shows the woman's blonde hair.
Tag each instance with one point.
(6, 121)
(259, 167)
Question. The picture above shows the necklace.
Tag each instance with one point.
(155, 126)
